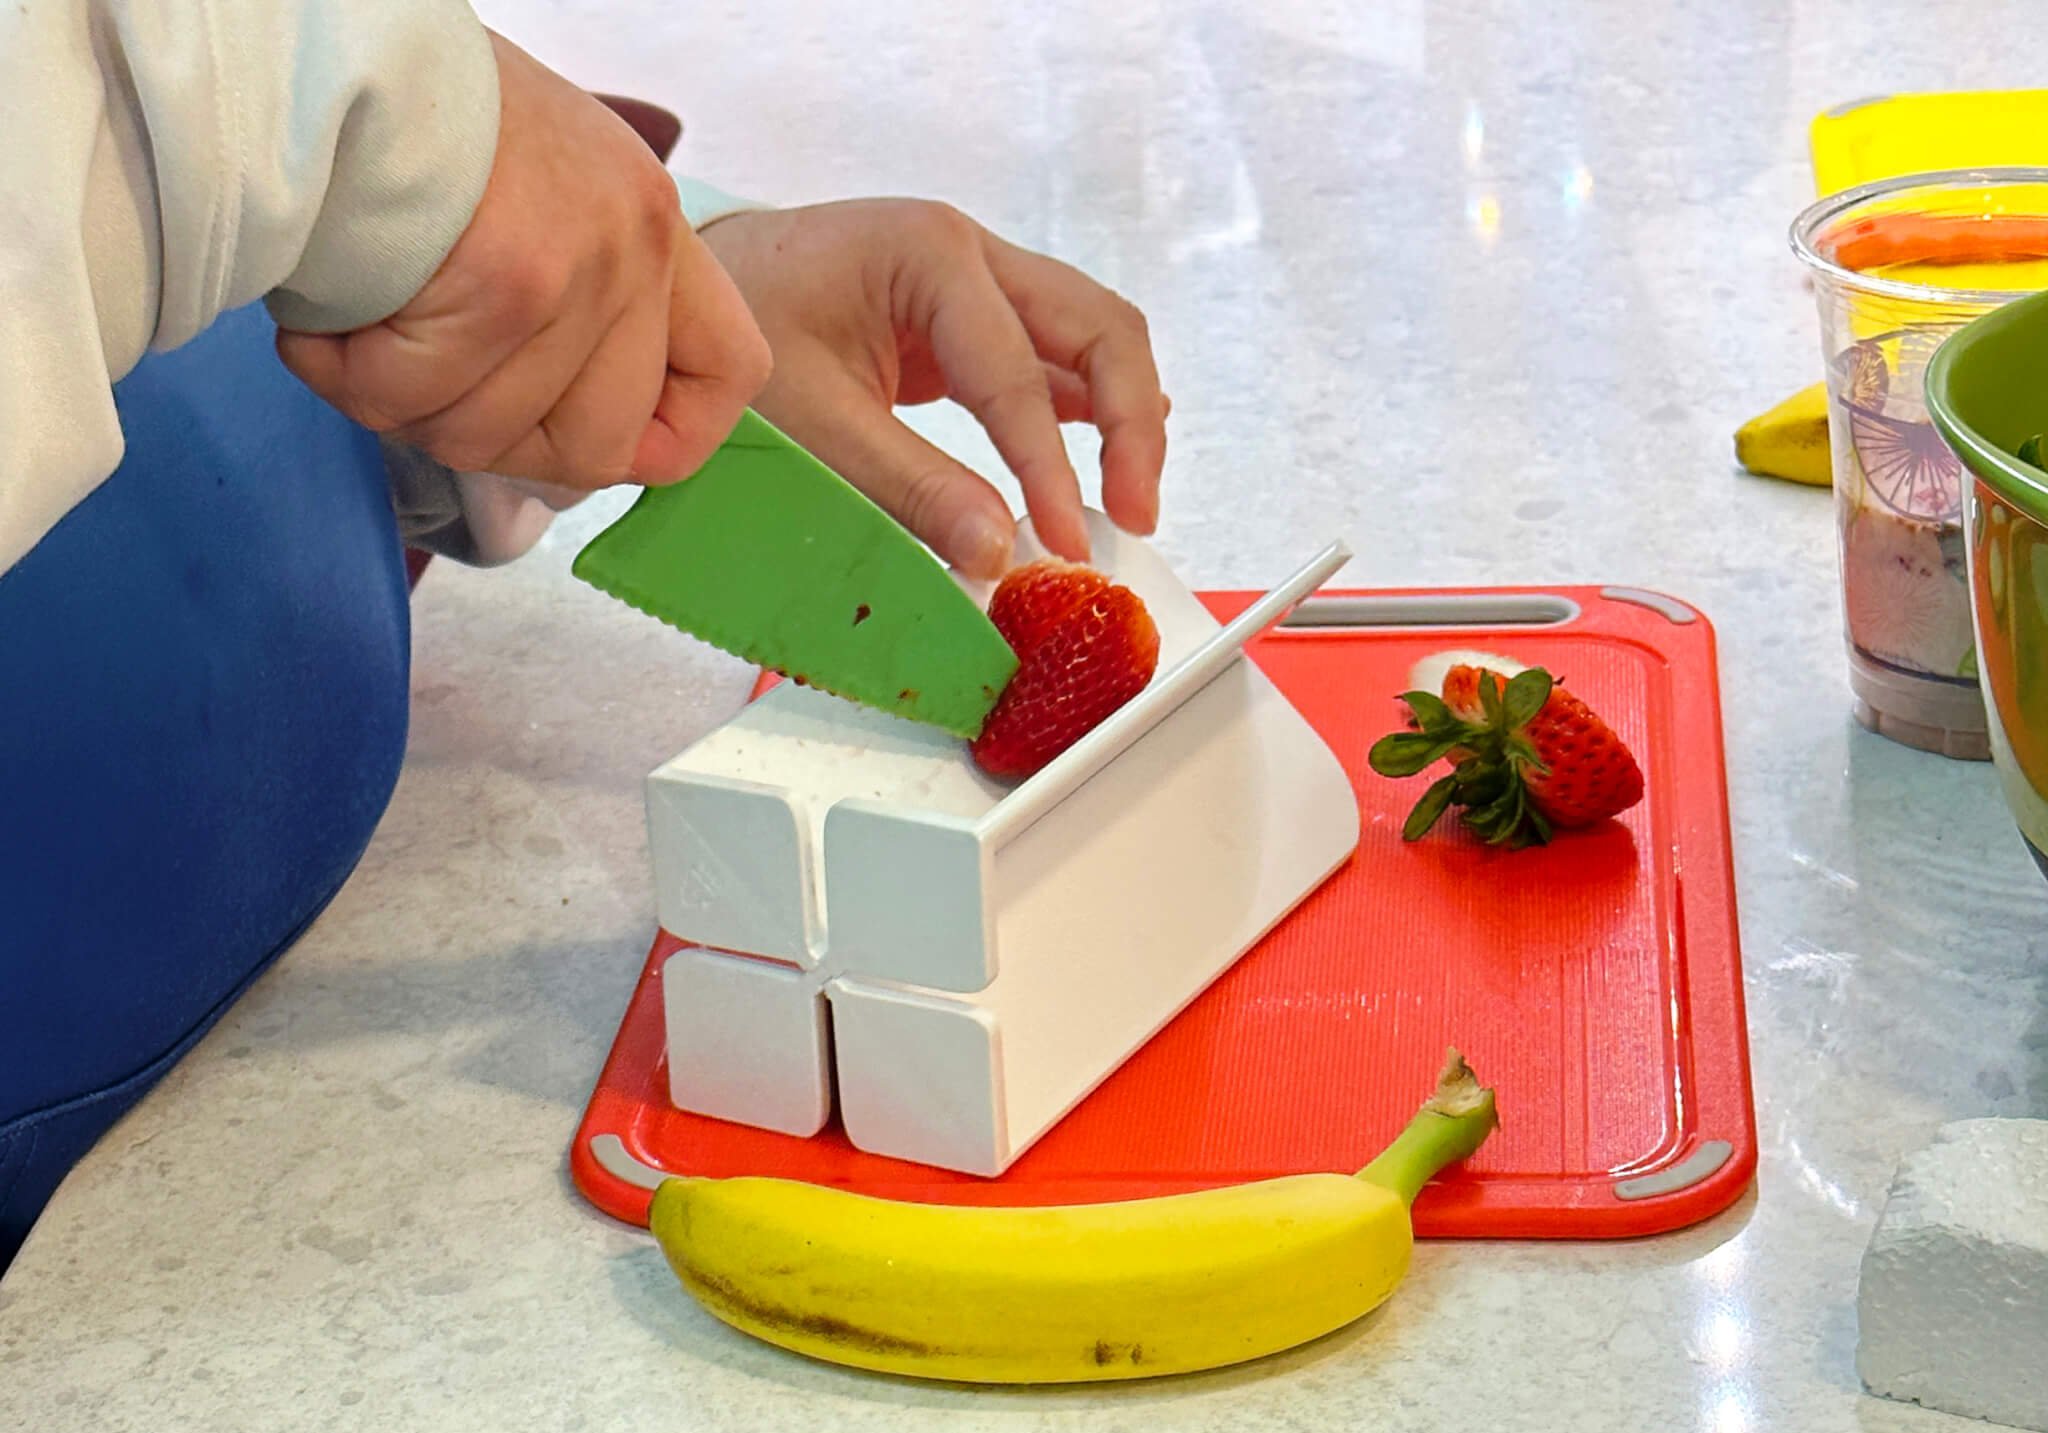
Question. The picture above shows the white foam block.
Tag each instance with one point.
(1953, 1305)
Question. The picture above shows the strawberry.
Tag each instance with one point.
(1029, 602)
(1084, 646)
(1526, 757)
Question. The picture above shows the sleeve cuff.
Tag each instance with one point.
(410, 166)
(477, 519)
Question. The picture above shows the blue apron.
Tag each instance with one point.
(203, 684)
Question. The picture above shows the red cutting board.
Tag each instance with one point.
(1596, 983)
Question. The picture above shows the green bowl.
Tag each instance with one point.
(1987, 391)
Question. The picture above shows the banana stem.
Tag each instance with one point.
(1451, 1124)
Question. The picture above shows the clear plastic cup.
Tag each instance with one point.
(1897, 267)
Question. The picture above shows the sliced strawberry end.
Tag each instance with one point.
(1079, 660)
(1031, 600)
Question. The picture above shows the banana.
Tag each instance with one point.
(1063, 1293)
(1790, 441)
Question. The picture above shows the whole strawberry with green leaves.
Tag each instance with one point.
(1526, 757)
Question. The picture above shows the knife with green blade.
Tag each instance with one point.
(766, 553)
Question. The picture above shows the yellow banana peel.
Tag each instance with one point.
(1063, 1293)
(1789, 441)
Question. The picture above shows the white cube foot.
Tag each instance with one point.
(746, 1041)
(921, 1075)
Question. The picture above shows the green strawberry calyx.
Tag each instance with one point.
(1491, 760)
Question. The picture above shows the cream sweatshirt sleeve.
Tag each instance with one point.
(164, 161)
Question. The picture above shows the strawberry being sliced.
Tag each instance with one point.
(1527, 757)
(1029, 602)
(1084, 646)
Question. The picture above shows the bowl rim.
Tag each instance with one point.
(1806, 227)
(2015, 481)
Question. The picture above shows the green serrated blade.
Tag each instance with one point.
(768, 554)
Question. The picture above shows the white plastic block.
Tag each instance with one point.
(1953, 1304)
(771, 1068)
(736, 823)
(991, 954)
(910, 895)
(924, 1076)
(722, 868)
(1108, 967)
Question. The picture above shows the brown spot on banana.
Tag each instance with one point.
(723, 1296)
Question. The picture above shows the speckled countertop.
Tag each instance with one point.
(1483, 288)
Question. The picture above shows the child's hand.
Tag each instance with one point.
(877, 302)
(578, 333)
